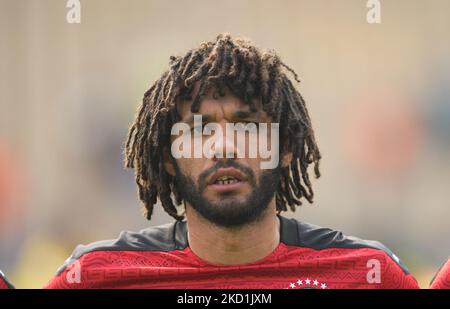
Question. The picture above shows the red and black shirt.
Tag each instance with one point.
(308, 256)
(442, 278)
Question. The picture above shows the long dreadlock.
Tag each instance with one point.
(250, 74)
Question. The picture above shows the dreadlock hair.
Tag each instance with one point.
(238, 65)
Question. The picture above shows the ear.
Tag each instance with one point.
(168, 163)
(286, 158)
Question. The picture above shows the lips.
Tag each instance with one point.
(226, 176)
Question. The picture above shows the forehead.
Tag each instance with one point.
(229, 106)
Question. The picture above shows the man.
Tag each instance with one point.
(228, 231)
(442, 278)
(4, 283)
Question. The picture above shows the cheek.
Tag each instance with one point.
(189, 167)
(254, 165)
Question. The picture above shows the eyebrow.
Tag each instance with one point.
(245, 114)
(190, 120)
(236, 115)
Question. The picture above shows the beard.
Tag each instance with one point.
(229, 211)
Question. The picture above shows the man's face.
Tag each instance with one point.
(228, 192)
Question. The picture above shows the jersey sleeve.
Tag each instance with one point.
(442, 278)
(85, 268)
(67, 279)
(395, 275)
(68, 275)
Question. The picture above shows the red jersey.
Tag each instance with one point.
(4, 283)
(442, 278)
(308, 256)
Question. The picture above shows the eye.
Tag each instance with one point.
(247, 126)
(249, 121)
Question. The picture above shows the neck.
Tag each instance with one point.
(230, 246)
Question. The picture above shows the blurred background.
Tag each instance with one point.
(378, 96)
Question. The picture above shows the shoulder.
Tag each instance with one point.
(158, 238)
(302, 234)
(393, 272)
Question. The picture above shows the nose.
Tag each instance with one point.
(224, 148)
(224, 144)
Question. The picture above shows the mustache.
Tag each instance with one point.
(224, 164)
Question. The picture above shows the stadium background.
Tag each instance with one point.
(378, 96)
